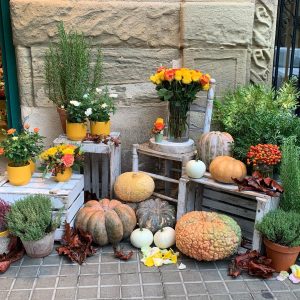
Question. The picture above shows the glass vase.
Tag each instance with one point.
(264, 170)
(178, 121)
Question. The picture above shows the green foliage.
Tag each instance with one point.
(257, 114)
(68, 70)
(290, 175)
(281, 227)
(77, 111)
(31, 218)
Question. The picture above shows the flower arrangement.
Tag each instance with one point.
(78, 111)
(179, 87)
(266, 154)
(20, 147)
(4, 209)
(158, 126)
(56, 159)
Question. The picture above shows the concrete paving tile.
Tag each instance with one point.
(143, 268)
(262, 296)
(19, 295)
(167, 268)
(216, 287)
(28, 271)
(191, 276)
(87, 293)
(11, 272)
(52, 260)
(237, 286)
(89, 269)
(5, 283)
(174, 289)
(94, 259)
(88, 280)
(297, 294)
(67, 281)
(222, 264)
(45, 282)
(172, 276)
(219, 297)
(109, 292)
(42, 294)
(111, 279)
(195, 288)
(292, 286)
(23, 283)
(3, 294)
(151, 277)
(48, 270)
(242, 296)
(276, 285)
(153, 290)
(64, 294)
(257, 286)
(107, 257)
(29, 261)
(69, 270)
(130, 278)
(285, 296)
(129, 268)
(176, 298)
(206, 265)
(210, 275)
(131, 291)
(67, 261)
(109, 268)
(199, 297)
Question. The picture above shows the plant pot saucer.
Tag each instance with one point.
(171, 147)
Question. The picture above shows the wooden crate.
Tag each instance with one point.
(68, 196)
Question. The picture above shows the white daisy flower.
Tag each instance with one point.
(85, 96)
(88, 112)
(104, 105)
(75, 103)
(98, 90)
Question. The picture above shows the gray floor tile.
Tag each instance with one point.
(263, 296)
(216, 287)
(52, 260)
(64, 294)
(109, 292)
(206, 265)
(87, 293)
(67, 281)
(93, 259)
(151, 277)
(284, 296)
(19, 295)
(131, 291)
(176, 298)
(237, 287)
(111, 279)
(23, 283)
(174, 289)
(143, 268)
(45, 282)
(220, 297)
(195, 288)
(167, 268)
(88, 280)
(42, 294)
(276, 285)
(48, 270)
(69, 270)
(199, 297)
(297, 294)
(11, 272)
(3, 294)
(172, 276)
(222, 264)
(130, 267)
(5, 283)
(130, 278)
(257, 286)
(243, 296)
(153, 290)
(227, 278)
(29, 261)
(89, 269)
(210, 275)
(191, 276)
(111, 268)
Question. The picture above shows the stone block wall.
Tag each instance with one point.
(230, 39)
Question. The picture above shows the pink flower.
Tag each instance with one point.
(68, 160)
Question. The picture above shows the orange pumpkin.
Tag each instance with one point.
(108, 221)
(224, 168)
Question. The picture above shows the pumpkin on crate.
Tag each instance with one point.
(224, 168)
(207, 236)
(134, 186)
(108, 221)
(213, 144)
(154, 214)
(195, 168)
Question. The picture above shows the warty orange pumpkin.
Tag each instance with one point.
(108, 221)
(224, 168)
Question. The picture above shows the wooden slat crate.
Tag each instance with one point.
(68, 196)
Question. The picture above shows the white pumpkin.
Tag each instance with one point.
(164, 238)
(141, 237)
(195, 168)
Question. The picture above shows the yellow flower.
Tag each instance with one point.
(149, 262)
(51, 151)
(187, 79)
(174, 258)
(178, 75)
(153, 79)
(161, 75)
(68, 151)
(206, 87)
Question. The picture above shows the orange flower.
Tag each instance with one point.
(11, 131)
(160, 69)
(26, 126)
(36, 130)
(204, 80)
(159, 126)
(169, 75)
(68, 160)
(1, 151)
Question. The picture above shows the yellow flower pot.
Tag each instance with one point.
(32, 166)
(76, 131)
(19, 175)
(100, 128)
(65, 176)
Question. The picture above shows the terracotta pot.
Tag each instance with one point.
(4, 241)
(63, 117)
(282, 256)
(19, 175)
(100, 128)
(65, 176)
(76, 131)
(40, 248)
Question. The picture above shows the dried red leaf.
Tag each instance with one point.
(77, 245)
(121, 254)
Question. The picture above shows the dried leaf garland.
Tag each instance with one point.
(105, 139)
(121, 254)
(251, 262)
(256, 182)
(77, 245)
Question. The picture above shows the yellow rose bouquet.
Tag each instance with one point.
(179, 87)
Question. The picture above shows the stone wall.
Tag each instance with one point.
(231, 39)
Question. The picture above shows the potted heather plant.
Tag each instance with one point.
(281, 233)
(31, 220)
(4, 232)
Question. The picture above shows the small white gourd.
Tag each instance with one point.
(141, 237)
(164, 238)
(195, 168)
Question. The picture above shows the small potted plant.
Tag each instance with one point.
(281, 233)
(158, 130)
(59, 161)
(4, 232)
(102, 106)
(31, 220)
(77, 112)
(264, 157)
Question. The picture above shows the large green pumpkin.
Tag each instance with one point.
(108, 221)
(155, 214)
(207, 235)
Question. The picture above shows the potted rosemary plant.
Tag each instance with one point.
(4, 232)
(31, 219)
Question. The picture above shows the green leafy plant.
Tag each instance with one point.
(290, 175)
(31, 218)
(78, 111)
(68, 70)
(256, 114)
(281, 227)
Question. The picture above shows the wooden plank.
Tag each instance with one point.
(95, 173)
(199, 196)
(115, 166)
(87, 172)
(167, 173)
(181, 206)
(164, 197)
(105, 175)
(163, 178)
(191, 197)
